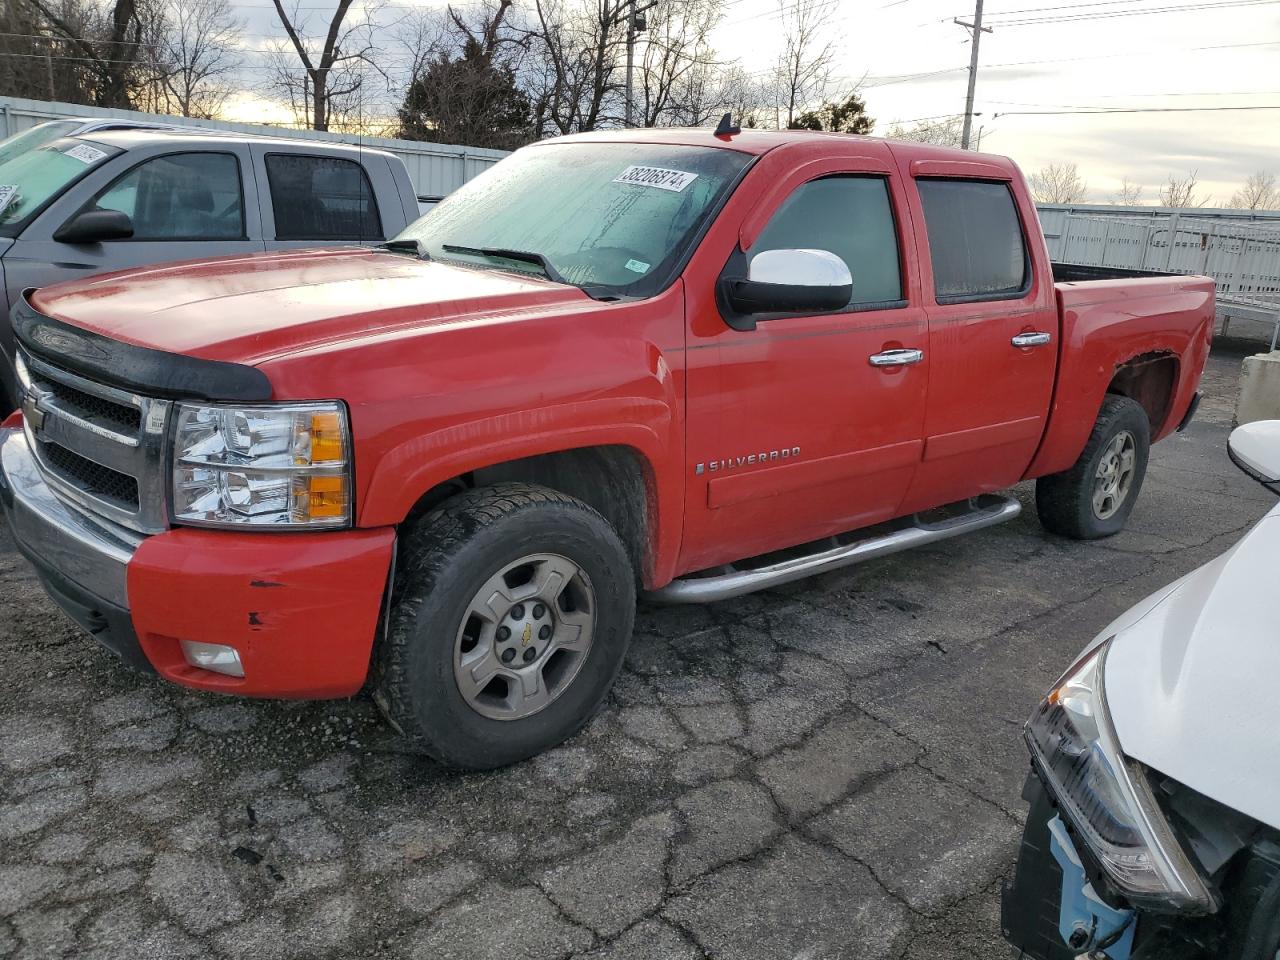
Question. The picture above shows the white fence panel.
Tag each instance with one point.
(1243, 257)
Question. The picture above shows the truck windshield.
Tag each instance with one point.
(31, 178)
(614, 218)
(37, 136)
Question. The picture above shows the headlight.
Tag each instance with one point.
(279, 467)
(1107, 796)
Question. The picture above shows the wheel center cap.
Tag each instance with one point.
(524, 635)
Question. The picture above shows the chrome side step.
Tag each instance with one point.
(983, 511)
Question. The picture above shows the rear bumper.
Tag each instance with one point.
(301, 610)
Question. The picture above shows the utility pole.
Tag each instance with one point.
(635, 24)
(977, 30)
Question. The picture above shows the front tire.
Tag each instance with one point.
(511, 613)
(1093, 499)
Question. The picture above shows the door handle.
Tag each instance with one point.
(1031, 340)
(896, 358)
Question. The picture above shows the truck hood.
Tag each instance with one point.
(1191, 679)
(250, 309)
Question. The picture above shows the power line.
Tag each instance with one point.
(1145, 11)
(1068, 6)
(1101, 110)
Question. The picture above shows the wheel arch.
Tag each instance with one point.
(1151, 381)
(616, 480)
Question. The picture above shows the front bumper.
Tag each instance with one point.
(301, 609)
(1049, 910)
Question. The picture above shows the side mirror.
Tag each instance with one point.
(1255, 449)
(94, 226)
(791, 281)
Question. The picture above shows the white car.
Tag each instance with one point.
(1154, 829)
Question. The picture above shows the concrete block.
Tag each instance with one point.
(1259, 397)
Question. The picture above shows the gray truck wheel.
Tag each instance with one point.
(1093, 499)
(511, 612)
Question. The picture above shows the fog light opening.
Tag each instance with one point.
(216, 657)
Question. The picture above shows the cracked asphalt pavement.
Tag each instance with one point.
(830, 770)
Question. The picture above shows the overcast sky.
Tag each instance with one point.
(1155, 60)
(912, 62)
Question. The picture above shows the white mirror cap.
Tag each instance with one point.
(801, 268)
(1256, 447)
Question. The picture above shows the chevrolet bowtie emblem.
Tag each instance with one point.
(528, 635)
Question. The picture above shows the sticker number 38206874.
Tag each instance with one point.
(663, 179)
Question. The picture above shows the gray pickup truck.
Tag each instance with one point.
(110, 199)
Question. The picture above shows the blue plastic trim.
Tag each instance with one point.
(1080, 907)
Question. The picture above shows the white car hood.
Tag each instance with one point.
(1193, 680)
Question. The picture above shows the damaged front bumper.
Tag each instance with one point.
(1058, 906)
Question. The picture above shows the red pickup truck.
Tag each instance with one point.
(688, 363)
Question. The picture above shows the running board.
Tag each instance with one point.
(915, 531)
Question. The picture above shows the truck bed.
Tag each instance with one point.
(1085, 273)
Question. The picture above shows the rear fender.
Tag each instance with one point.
(1107, 325)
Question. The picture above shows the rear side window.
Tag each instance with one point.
(850, 217)
(975, 240)
(180, 196)
(321, 198)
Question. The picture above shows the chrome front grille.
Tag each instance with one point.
(98, 446)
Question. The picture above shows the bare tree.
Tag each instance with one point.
(332, 77)
(676, 46)
(109, 46)
(1058, 183)
(1129, 194)
(943, 132)
(464, 88)
(809, 47)
(1181, 191)
(1260, 192)
(197, 53)
(709, 90)
(575, 77)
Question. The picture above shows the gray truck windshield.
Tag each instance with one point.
(30, 179)
(612, 217)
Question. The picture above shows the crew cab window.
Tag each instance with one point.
(180, 196)
(850, 217)
(975, 240)
(321, 198)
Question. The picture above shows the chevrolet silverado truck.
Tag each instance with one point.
(690, 363)
(84, 197)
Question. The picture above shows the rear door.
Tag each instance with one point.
(993, 330)
(184, 204)
(318, 200)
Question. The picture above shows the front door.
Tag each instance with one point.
(183, 205)
(993, 338)
(793, 432)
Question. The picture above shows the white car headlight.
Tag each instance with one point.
(279, 466)
(1107, 796)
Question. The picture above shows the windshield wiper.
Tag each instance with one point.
(501, 253)
(408, 246)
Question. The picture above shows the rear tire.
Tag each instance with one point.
(1093, 499)
(511, 614)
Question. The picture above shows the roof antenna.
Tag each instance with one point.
(726, 127)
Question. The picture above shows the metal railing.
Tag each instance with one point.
(1242, 257)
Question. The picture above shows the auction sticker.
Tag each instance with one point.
(85, 153)
(8, 193)
(663, 179)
